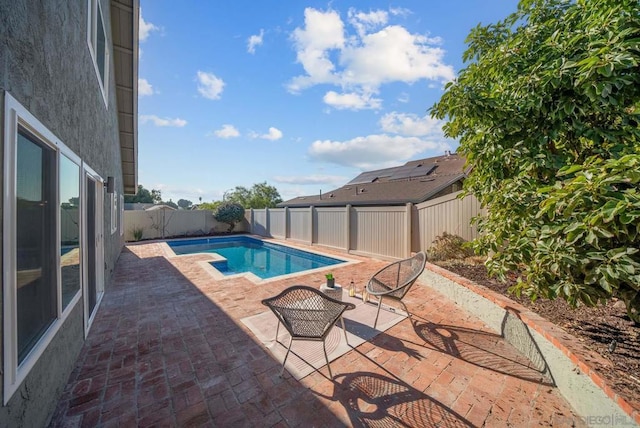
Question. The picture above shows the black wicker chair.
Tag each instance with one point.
(307, 314)
(395, 280)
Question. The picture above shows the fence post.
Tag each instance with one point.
(311, 208)
(286, 223)
(267, 223)
(408, 228)
(251, 221)
(348, 240)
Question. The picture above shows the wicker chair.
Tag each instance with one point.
(307, 314)
(395, 280)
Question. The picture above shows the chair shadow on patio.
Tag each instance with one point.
(392, 343)
(483, 349)
(375, 400)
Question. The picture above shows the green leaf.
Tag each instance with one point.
(547, 113)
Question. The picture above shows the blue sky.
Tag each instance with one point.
(303, 96)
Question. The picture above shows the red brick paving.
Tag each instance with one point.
(167, 348)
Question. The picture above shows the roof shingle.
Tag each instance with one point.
(421, 180)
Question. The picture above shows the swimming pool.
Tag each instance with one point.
(244, 254)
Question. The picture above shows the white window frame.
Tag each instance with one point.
(88, 172)
(15, 116)
(121, 215)
(95, 13)
(114, 211)
(64, 151)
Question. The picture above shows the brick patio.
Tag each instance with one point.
(167, 348)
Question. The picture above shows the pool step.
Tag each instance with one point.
(223, 267)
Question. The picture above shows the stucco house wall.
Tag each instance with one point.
(46, 66)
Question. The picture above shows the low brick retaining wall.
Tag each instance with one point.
(552, 350)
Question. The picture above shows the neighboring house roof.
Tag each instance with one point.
(160, 207)
(415, 182)
(124, 30)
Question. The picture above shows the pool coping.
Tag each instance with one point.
(219, 276)
(569, 360)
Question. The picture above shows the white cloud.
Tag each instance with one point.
(253, 41)
(158, 121)
(145, 28)
(227, 131)
(322, 32)
(360, 61)
(351, 101)
(209, 85)
(404, 97)
(400, 11)
(364, 22)
(144, 88)
(334, 180)
(372, 151)
(411, 125)
(394, 55)
(273, 134)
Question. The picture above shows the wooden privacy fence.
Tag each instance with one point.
(389, 231)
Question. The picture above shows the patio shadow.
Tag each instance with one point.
(375, 400)
(162, 353)
(483, 349)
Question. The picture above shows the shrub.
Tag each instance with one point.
(230, 213)
(547, 112)
(137, 233)
(447, 247)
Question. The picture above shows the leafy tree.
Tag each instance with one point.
(171, 204)
(230, 213)
(548, 114)
(184, 203)
(211, 206)
(144, 196)
(240, 195)
(264, 196)
(261, 195)
(156, 196)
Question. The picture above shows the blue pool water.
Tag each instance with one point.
(244, 254)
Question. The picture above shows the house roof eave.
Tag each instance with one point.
(125, 16)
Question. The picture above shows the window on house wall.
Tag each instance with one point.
(41, 272)
(121, 215)
(36, 304)
(114, 211)
(69, 229)
(98, 46)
